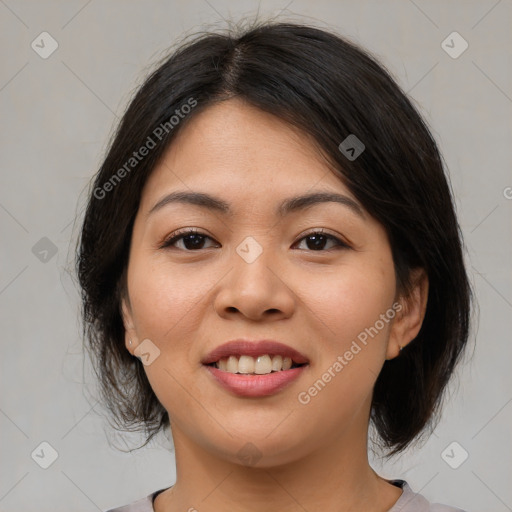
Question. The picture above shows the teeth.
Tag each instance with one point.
(261, 365)
(232, 364)
(246, 364)
(277, 363)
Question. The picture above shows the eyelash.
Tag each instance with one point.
(180, 234)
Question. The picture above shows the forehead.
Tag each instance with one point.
(234, 149)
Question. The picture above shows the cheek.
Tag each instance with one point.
(350, 349)
(162, 297)
(352, 299)
(168, 305)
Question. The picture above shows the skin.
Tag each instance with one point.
(187, 301)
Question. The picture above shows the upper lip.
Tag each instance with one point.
(243, 347)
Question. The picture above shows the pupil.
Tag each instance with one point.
(319, 241)
(197, 241)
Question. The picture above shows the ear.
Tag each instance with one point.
(129, 330)
(407, 323)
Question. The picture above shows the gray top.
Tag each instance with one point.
(409, 501)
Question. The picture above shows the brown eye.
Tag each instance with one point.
(190, 240)
(318, 240)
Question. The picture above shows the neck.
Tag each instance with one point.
(335, 476)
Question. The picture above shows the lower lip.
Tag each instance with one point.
(255, 385)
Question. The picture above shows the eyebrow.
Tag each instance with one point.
(288, 206)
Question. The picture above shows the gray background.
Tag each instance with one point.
(57, 114)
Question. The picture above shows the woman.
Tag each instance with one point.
(270, 260)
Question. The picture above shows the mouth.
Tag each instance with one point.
(254, 357)
(252, 369)
(262, 365)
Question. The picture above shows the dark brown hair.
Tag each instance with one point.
(329, 88)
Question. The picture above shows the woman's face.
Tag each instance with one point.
(257, 274)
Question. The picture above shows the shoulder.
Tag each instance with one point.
(411, 501)
(142, 505)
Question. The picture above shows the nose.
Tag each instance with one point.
(255, 290)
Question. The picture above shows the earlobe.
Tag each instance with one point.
(408, 321)
(129, 331)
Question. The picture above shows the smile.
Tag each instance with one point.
(260, 365)
(252, 384)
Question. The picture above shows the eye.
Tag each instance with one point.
(317, 240)
(191, 240)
